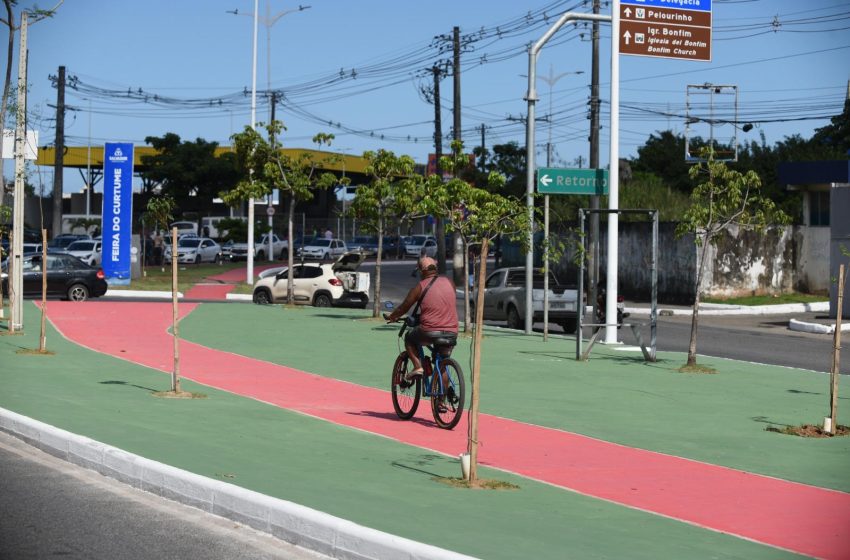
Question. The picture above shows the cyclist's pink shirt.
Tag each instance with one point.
(438, 311)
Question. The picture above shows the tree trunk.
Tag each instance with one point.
(476, 367)
(465, 287)
(175, 372)
(692, 345)
(290, 282)
(42, 340)
(836, 354)
(376, 308)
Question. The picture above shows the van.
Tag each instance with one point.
(184, 227)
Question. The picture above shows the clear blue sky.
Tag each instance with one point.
(360, 65)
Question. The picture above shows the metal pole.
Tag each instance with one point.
(546, 267)
(613, 180)
(531, 97)
(580, 297)
(250, 268)
(653, 314)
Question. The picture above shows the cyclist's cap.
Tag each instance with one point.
(427, 263)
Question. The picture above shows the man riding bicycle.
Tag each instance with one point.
(437, 312)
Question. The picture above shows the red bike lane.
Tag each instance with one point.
(787, 515)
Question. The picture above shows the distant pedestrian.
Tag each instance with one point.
(329, 234)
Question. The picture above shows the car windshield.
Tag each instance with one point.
(418, 240)
(191, 243)
(81, 246)
(362, 239)
(321, 242)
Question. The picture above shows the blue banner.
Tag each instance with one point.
(697, 5)
(117, 211)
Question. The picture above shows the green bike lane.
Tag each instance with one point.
(391, 486)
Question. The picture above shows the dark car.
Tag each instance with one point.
(67, 277)
(61, 242)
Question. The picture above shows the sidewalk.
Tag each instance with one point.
(299, 446)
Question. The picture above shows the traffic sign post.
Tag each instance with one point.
(552, 180)
(652, 28)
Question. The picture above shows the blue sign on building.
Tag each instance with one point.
(117, 221)
(696, 5)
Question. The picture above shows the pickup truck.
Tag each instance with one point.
(239, 251)
(504, 299)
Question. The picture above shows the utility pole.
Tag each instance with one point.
(438, 153)
(593, 264)
(59, 160)
(482, 160)
(15, 271)
(457, 256)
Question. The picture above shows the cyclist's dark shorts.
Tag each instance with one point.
(417, 336)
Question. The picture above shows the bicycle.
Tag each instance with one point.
(442, 381)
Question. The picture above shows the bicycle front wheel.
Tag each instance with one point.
(447, 394)
(406, 394)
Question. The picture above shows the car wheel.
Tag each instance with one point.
(325, 257)
(569, 325)
(197, 259)
(514, 322)
(78, 292)
(261, 255)
(217, 259)
(262, 297)
(322, 300)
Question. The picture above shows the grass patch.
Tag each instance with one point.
(769, 299)
(187, 276)
(34, 351)
(178, 395)
(480, 484)
(809, 430)
(696, 369)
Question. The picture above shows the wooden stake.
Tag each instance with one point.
(836, 355)
(476, 364)
(42, 342)
(175, 374)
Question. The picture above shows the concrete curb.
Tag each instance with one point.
(147, 294)
(815, 328)
(299, 525)
(721, 309)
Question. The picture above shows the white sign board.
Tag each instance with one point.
(30, 149)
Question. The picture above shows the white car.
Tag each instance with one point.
(418, 245)
(323, 249)
(88, 251)
(320, 285)
(195, 250)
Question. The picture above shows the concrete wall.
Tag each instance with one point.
(812, 271)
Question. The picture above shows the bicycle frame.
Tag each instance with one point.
(435, 365)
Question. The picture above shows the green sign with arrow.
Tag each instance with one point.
(552, 180)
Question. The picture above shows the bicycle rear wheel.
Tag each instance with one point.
(447, 396)
(406, 394)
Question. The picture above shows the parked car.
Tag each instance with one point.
(320, 285)
(323, 249)
(194, 250)
(418, 245)
(88, 251)
(504, 299)
(67, 277)
(31, 248)
(368, 245)
(239, 251)
(61, 241)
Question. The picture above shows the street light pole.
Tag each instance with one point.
(268, 21)
(250, 271)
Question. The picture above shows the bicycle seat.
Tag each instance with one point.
(444, 342)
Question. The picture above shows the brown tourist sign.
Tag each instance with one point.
(651, 28)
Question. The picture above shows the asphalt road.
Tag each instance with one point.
(52, 508)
